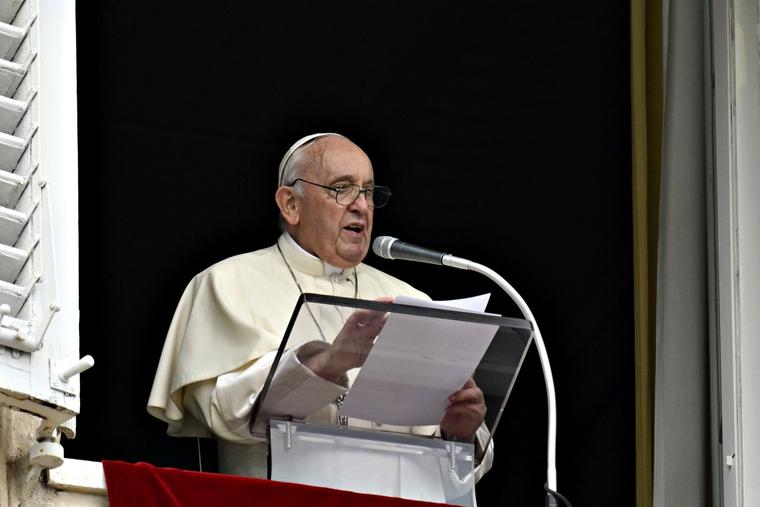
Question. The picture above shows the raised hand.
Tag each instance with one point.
(351, 347)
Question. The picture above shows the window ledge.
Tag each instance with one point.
(79, 476)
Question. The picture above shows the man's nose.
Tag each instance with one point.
(360, 204)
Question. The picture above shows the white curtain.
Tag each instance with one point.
(681, 421)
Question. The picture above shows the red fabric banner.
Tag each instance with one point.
(143, 485)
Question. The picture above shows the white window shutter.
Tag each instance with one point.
(39, 286)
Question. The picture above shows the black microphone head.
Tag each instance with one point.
(382, 246)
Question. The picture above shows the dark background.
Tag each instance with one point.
(502, 128)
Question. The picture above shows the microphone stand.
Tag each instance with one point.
(551, 471)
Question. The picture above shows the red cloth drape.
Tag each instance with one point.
(143, 485)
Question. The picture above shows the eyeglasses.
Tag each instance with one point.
(347, 193)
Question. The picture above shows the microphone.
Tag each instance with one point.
(392, 248)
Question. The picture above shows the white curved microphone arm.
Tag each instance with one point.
(551, 459)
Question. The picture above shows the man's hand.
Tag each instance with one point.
(351, 347)
(465, 413)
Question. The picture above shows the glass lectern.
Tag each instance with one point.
(375, 428)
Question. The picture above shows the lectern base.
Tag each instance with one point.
(390, 464)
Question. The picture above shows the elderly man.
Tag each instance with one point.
(232, 316)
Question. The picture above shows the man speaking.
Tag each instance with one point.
(232, 316)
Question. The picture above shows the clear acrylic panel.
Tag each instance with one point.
(410, 350)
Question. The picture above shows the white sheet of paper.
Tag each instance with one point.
(417, 363)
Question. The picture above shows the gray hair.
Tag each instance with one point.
(295, 167)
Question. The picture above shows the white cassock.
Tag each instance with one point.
(224, 336)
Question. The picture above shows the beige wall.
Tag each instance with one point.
(17, 435)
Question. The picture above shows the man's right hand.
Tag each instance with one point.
(350, 348)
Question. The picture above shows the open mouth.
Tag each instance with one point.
(354, 228)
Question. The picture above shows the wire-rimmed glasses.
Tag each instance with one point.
(346, 193)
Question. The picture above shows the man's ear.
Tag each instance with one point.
(288, 204)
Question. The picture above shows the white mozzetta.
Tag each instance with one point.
(245, 302)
